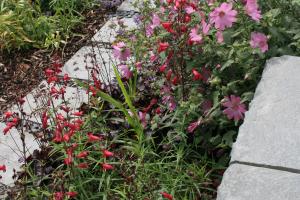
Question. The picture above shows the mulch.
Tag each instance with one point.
(22, 70)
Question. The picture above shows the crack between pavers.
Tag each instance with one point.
(279, 168)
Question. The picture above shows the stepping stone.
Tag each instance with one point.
(88, 58)
(11, 152)
(109, 31)
(37, 100)
(243, 182)
(270, 132)
(127, 5)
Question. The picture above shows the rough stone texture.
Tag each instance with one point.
(127, 6)
(110, 29)
(11, 152)
(36, 101)
(270, 132)
(88, 58)
(242, 182)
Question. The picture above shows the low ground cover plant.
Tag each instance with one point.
(163, 129)
(40, 23)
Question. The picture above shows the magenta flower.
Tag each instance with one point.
(125, 71)
(259, 40)
(155, 21)
(189, 10)
(121, 52)
(220, 38)
(234, 108)
(252, 10)
(223, 16)
(205, 27)
(192, 127)
(194, 36)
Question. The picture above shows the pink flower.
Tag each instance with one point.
(155, 21)
(58, 196)
(142, 116)
(259, 40)
(223, 16)
(189, 10)
(192, 127)
(125, 71)
(194, 36)
(220, 38)
(149, 30)
(205, 27)
(252, 10)
(121, 52)
(234, 108)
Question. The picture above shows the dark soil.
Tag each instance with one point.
(22, 70)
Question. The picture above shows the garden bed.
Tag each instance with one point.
(22, 70)
(164, 127)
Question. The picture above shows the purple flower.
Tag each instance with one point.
(195, 36)
(121, 52)
(223, 16)
(252, 10)
(234, 108)
(259, 40)
(125, 71)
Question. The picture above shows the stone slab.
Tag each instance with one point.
(37, 100)
(109, 31)
(242, 182)
(128, 5)
(270, 132)
(11, 152)
(88, 58)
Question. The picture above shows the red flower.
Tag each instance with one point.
(7, 114)
(162, 68)
(49, 72)
(163, 46)
(158, 110)
(106, 167)
(197, 75)
(69, 159)
(66, 77)
(167, 26)
(107, 153)
(72, 194)
(175, 80)
(169, 74)
(58, 196)
(9, 126)
(78, 113)
(167, 195)
(187, 18)
(3, 168)
(82, 154)
(45, 120)
(93, 138)
(83, 166)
